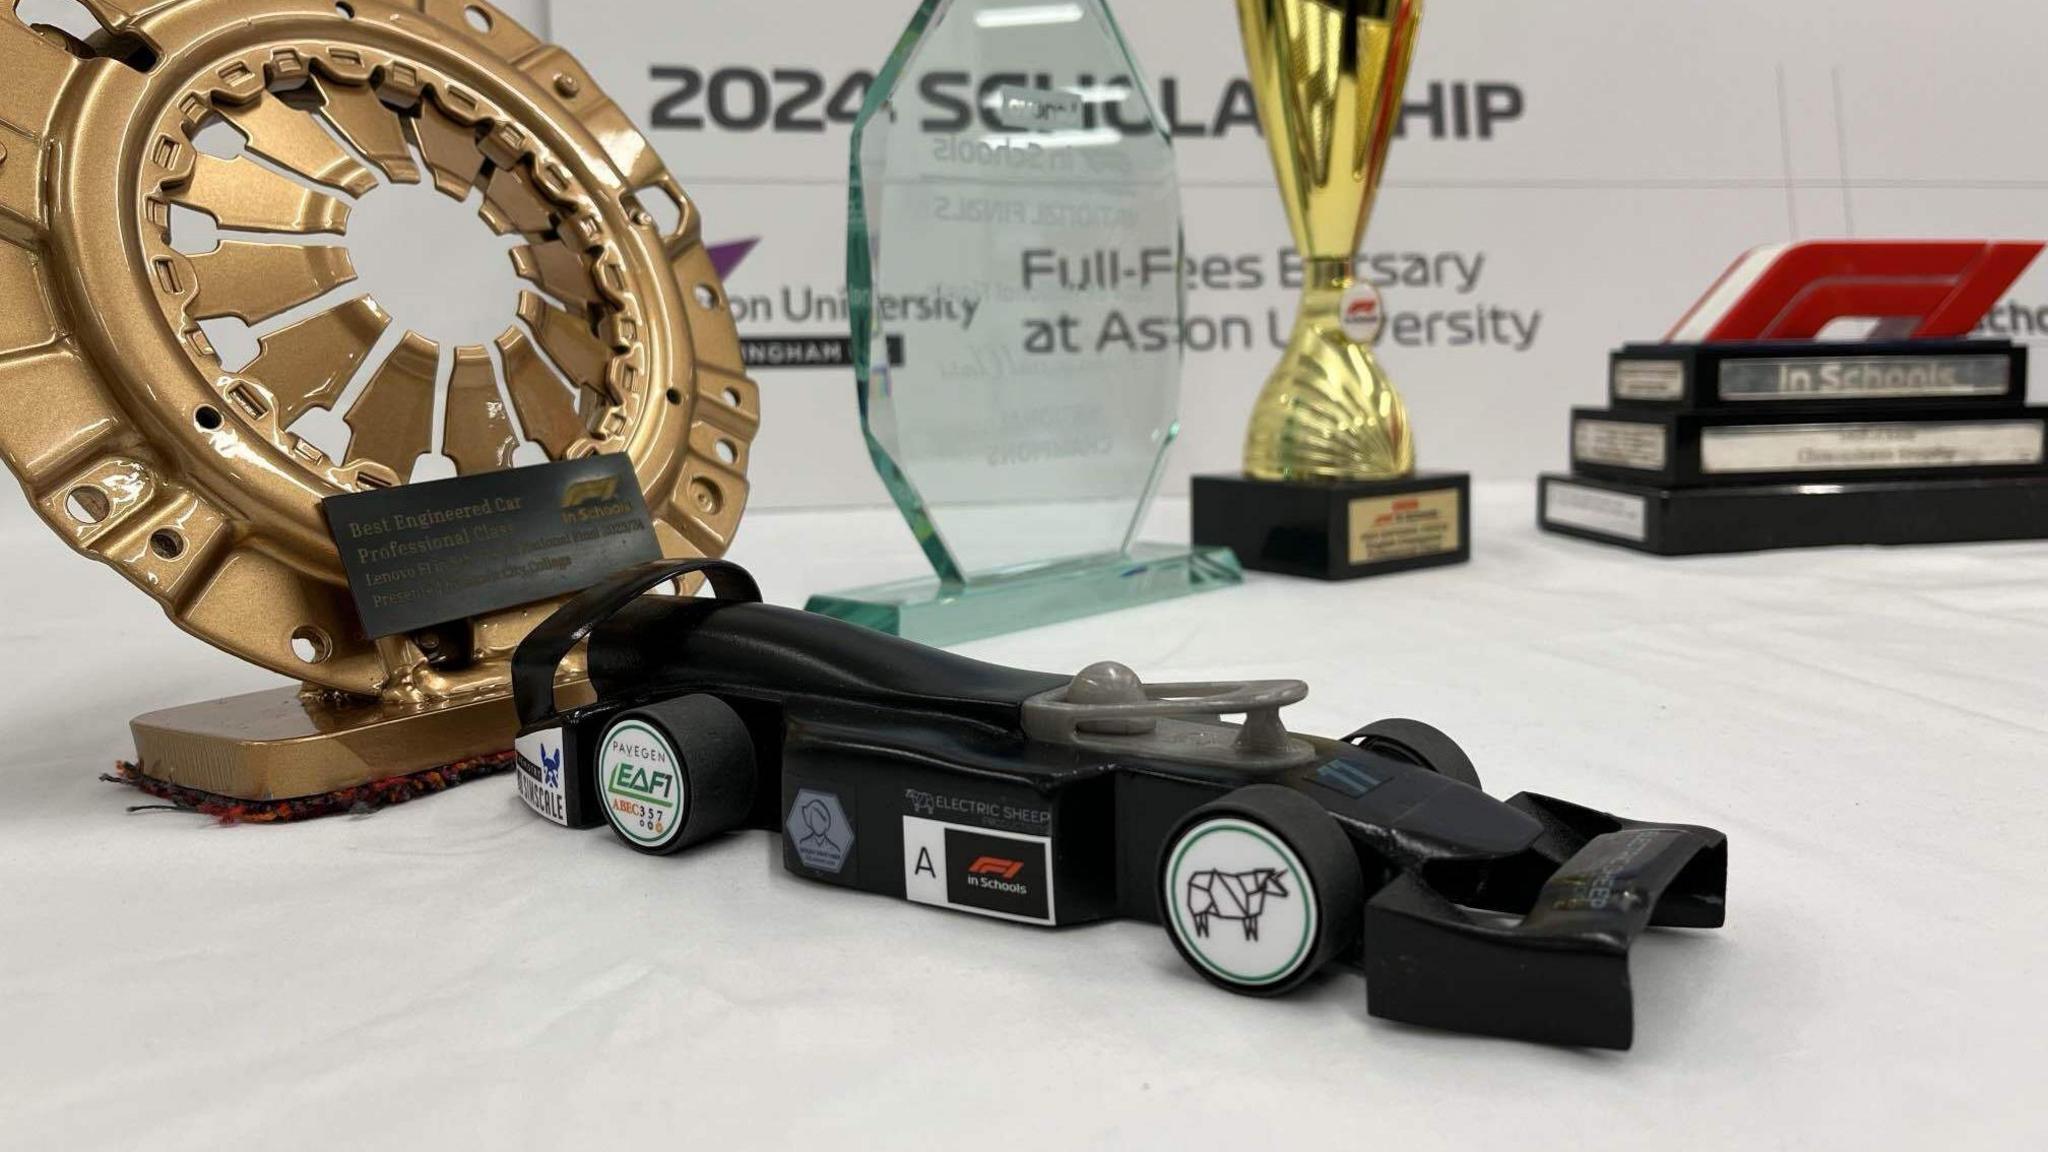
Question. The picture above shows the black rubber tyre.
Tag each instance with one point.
(1418, 744)
(675, 773)
(1260, 889)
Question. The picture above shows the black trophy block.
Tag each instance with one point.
(1668, 521)
(1340, 530)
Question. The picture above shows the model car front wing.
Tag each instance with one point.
(1554, 969)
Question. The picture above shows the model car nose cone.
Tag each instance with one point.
(1109, 683)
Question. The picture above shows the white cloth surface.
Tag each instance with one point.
(1866, 725)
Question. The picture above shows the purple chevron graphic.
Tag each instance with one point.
(726, 257)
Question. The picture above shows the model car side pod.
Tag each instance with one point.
(1047, 799)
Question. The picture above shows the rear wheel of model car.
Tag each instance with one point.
(1260, 889)
(675, 773)
(1413, 742)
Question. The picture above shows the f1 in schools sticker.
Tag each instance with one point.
(1007, 875)
(641, 783)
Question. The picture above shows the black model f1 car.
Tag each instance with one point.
(894, 768)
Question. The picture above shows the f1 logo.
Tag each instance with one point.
(1360, 314)
(995, 866)
(1916, 290)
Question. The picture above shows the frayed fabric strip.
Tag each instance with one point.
(362, 799)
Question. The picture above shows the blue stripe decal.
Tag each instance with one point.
(1348, 778)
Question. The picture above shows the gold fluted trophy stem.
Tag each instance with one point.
(1328, 77)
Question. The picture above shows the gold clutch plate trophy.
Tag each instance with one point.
(140, 445)
(1329, 487)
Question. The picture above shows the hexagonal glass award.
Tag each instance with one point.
(1014, 267)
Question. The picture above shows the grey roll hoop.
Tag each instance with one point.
(1107, 708)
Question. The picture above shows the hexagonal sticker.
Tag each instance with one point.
(819, 830)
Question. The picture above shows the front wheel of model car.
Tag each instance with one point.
(675, 773)
(1413, 742)
(1260, 889)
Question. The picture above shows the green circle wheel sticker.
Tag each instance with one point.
(1240, 902)
(641, 781)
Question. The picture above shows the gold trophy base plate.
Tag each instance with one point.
(277, 745)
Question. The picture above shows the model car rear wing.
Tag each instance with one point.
(540, 655)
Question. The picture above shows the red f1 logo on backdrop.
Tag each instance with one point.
(1913, 289)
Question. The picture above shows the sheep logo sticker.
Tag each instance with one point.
(1239, 896)
(1240, 902)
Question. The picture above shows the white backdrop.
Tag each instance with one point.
(1866, 724)
(1653, 143)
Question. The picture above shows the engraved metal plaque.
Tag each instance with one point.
(1868, 378)
(1870, 446)
(1405, 526)
(1621, 444)
(426, 554)
(1596, 510)
(1649, 379)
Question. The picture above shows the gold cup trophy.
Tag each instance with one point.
(1329, 487)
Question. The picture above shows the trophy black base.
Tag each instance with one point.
(1340, 530)
(1756, 518)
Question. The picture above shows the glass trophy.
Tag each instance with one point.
(1014, 268)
